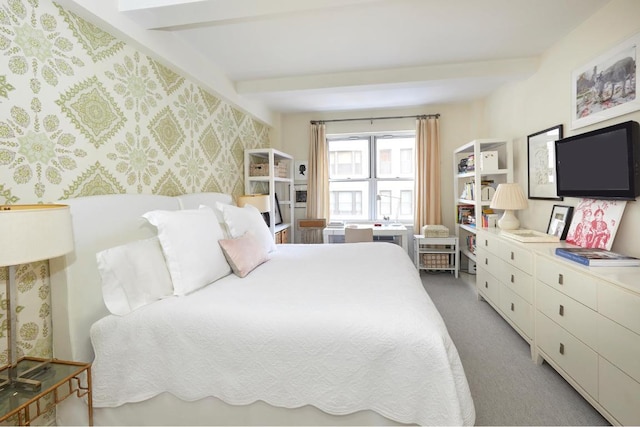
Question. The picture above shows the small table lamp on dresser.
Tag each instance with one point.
(29, 233)
(509, 197)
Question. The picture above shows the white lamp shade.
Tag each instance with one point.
(259, 201)
(509, 196)
(34, 232)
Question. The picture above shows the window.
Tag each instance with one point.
(371, 177)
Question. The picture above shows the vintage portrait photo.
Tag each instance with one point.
(595, 223)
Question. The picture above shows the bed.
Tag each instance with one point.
(318, 334)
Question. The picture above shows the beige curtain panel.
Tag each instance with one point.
(318, 175)
(428, 209)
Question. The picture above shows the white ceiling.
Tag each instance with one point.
(324, 55)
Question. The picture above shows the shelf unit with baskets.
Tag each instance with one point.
(269, 171)
(478, 167)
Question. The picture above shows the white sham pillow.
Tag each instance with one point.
(247, 219)
(133, 275)
(189, 240)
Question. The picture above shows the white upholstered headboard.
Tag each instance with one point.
(100, 222)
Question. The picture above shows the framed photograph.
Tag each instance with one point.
(559, 221)
(542, 163)
(278, 218)
(606, 87)
(301, 196)
(595, 223)
(302, 170)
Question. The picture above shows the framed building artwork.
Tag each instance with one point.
(595, 223)
(606, 86)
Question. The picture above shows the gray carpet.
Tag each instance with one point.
(507, 387)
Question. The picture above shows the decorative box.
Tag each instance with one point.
(489, 161)
(435, 231)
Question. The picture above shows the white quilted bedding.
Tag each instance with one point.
(340, 327)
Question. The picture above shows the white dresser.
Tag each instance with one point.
(584, 321)
(588, 328)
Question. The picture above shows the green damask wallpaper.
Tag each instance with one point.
(83, 113)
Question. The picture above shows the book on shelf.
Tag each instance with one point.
(596, 257)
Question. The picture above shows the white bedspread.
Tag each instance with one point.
(340, 327)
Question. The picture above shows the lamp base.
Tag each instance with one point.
(508, 221)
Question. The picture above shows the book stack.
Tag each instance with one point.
(596, 257)
(465, 214)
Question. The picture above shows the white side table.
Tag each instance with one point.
(436, 253)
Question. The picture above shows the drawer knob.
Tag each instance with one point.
(486, 242)
(512, 255)
(512, 279)
(560, 279)
(513, 307)
(561, 310)
(486, 284)
(561, 348)
(486, 261)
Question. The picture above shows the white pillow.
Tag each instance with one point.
(133, 275)
(189, 240)
(248, 218)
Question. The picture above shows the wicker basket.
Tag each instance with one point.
(259, 169)
(262, 169)
(435, 231)
(436, 261)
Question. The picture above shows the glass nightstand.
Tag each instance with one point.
(60, 379)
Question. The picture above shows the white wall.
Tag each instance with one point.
(544, 100)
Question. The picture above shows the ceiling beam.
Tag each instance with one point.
(177, 14)
(516, 68)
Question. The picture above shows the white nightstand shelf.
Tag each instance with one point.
(436, 253)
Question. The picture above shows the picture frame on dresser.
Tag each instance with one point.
(542, 163)
(559, 221)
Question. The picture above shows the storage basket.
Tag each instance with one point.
(436, 261)
(259, 169)
(435, 231)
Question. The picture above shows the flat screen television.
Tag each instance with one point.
(601, 164)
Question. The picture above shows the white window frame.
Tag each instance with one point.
(370, 199)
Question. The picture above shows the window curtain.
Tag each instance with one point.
(318, 178)
(427, 178)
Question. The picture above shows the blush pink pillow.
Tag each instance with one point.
(244, 253)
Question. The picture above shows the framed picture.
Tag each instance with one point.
(595, 223)
(559, 221)
(302, 170)
(606, 87)
(542, 163)
(301, 196)
(278, 218)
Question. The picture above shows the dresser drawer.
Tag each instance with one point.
(517, 309)
(576, 318)
(574, 357)
(518, 281)
(619, 394)
(578, 286)
(516, 256)
(488, 285)
(619, 305)
(620, 346)
(488, 242)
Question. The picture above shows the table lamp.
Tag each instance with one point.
(509, 197)
(259, 201)
(29, 233)
(379, 198)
